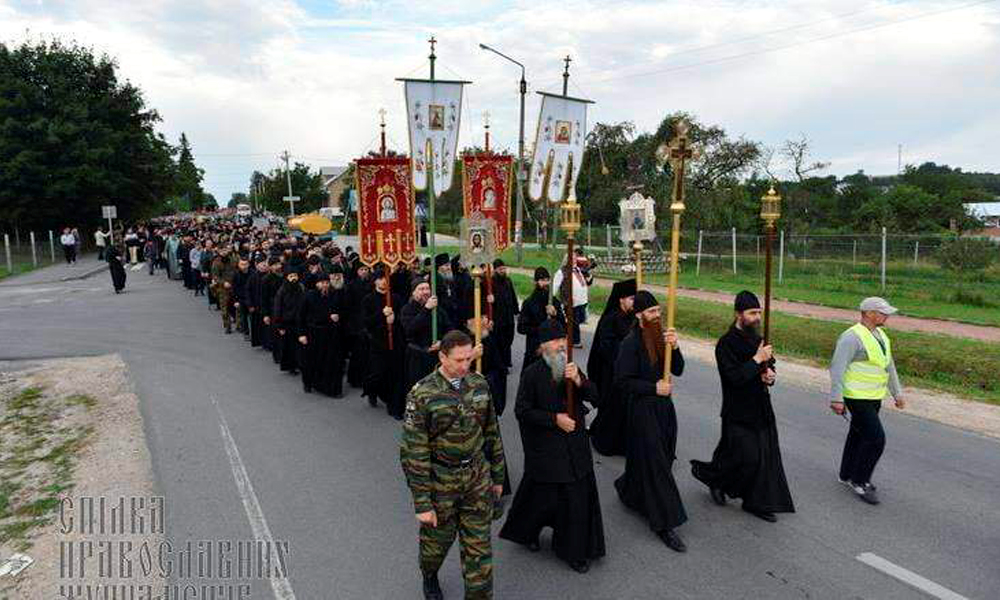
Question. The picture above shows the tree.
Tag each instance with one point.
(796, 152)
(73, 137)
(237, 198)
(189, 177)
(306, 184)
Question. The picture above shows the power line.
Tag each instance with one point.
(793, 44)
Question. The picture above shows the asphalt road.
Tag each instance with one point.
(324, 475)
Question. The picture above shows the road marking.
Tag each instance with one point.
(908, 577)
(258, 524)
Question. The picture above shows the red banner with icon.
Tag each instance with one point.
(386, 218)
(486, 186)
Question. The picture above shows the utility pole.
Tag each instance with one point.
(288, 177)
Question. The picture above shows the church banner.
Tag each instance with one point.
(386, 223)
(434, 115)
(486, 188)
(560, 140)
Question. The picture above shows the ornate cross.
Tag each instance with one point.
(432, 42)
(678, 153)
(381, 116)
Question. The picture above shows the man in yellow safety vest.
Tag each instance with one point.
(862, 373)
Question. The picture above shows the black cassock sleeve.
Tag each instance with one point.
(733, 370)
(526, 408)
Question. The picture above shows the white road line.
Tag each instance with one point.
(908, 577)
(279, 585)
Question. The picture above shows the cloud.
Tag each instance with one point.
(245, 77)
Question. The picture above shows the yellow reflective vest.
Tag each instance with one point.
(869, 379)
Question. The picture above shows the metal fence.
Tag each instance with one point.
(26, 250)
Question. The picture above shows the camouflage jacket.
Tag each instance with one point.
(445, 426)
(223, 271)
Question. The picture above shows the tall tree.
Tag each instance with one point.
(189, 177)
(73, 137)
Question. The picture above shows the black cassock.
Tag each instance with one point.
(287, 302)
(322, 369)
(356, 338)
(417, 326)
(558, 489)
(747, 462)
(268, 289)
(648, 485)
(533, 314)
(252, 297)
(505, 311)
(385, 367)
(609, 428)
(117, 269)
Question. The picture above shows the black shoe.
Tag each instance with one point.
(762, 514)
(672, 540)
(398, 417)
(228, 330)
(866, 492)
(373, 402)
(580, 566)
(533, 546)
(432, 589)
(718, 496)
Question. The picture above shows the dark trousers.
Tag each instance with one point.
(865, 441)
(70, 253)
(100, 253)
(579, 317)
(198, 281)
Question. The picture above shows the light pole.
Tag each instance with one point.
(519, 211)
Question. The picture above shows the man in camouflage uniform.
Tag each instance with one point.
(453, 460)
(223, 274)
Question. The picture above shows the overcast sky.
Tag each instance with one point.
(246, 79)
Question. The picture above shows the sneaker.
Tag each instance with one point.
(845, 482)
(866, 492)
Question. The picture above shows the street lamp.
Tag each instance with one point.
(521, 176)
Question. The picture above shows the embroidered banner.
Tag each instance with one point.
(560, 140)
(486, 187)
(434, 116)
(386, 223)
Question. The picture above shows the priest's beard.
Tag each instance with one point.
(557, 363)
(652, 339)
(750, 327)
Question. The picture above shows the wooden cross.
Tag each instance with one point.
(381, 114)
(432, 42)
(678, 152)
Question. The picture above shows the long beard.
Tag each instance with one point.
(557, 364)
(652, 339)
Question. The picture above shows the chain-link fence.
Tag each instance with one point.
(24, 250)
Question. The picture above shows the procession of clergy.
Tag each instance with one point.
(323, 314)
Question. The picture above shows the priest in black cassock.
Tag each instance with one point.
(607, 430)
(385, 366)
(648, 485)
(558, 489)
(747, 462)
(505, 309)
(535, 310)
(287, 303)
(315, 329)
(421, 351)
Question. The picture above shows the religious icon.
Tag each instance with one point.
(387, 209)
(638, 218)
(563, 132)
(478, 244)
(436, 117)
(489, 198)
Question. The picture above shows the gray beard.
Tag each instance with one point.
(337, 286)
(557, 364)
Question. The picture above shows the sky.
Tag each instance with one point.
(248, 79)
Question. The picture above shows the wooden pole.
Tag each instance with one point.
(477, 273)
(570, 317)
(388, 302)
(489, 291)
(429, 153)
(637, 250)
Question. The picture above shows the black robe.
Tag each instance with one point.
(505, 311)
(254, 298)
(116, 268)
(356, 341)
(533, 314)
(385, 378)
(747, 462)
(609, 428)
(417, 328)
(648, 485)
(318, 357)
(558, 489)
(270, 285)
(287, 302)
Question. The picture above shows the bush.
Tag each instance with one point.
(966, 255)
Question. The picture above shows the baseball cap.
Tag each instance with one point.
(878, 305)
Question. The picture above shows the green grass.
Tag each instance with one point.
(966, 368)
(37, 457)
(923, 290)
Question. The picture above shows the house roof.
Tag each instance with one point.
(332, 172)
(983, 209)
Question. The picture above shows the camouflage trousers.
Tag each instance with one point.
(224, 296)
(464, 505)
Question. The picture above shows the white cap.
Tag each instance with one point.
(878, 305)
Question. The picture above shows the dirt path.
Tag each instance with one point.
(899, 322)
